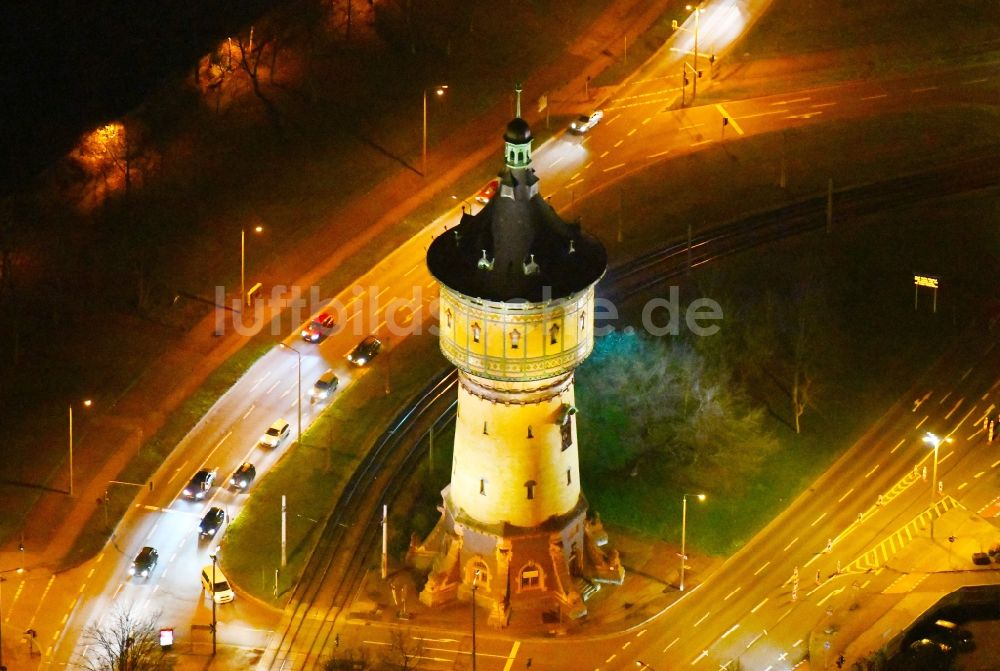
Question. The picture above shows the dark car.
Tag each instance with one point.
(487, 192)
(980, 558)
(365, 351)
(319, 328)
(243, 476)
(212, 522)
(199, 485)
(325, 385)
(144, 562)
(585, 122)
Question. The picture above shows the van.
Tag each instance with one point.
(276, 434)
(219, 589)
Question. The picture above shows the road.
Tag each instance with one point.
(638, 129)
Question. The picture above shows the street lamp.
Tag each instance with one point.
(87, 403)
(2, 581)
(298, 402)
(684, 519)
(697, 13)
(475, 586)
(935, 442)
(439, 90)
(643, 665)
(243, 262)
(214, 555)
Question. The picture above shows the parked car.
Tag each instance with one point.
(585, 122)
(243, 476)
(365, 351)
(212, 522)
(319, 328)
(276, 434)
(928, 644)
(200, 485)
(216, 584)
(980, 558)
(325, 385)
(144, 562)
(487, 192)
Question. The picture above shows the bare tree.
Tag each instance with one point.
(350, 660)
(801, 379)
(128, 641)
(404, 651)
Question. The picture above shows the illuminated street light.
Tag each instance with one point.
(439, 90)
(475, 586)
(87, 403)
(684, 518)
(935, 442)
(243, 262)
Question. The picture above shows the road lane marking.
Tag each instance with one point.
(657, 155)
(762, 567)
(419, 265)
(876, 97)
(921, 422)
(815, 521)
(632, 132)
(785, 614)
(605, 154)
(263, 377)
(979, 474)
(217, 446)
(619, 143)
(647, 120)
(671, 644)
(287, 391)
(89, 573)
(627, 643)
(869, 473)
(52, 579)
(795, 100)
(893, 450)
(954, 408)
(976, 81)
(640, 633)
(942, 459)
(614, 167)
(963, 486)
(608, 660)
(731, 593)
(247, 413)
(962, 421)
(797, 643)
(754, 116)
(732, 121)
(758, 606)
(512, 655)
(730, 630)
(151, 531)
(924, 89)
(271, 388)
(700, 142)
(755, 639)
(703, 618)
(822, 105)
(846, 494)
(790, 544)
(833, 593)
(703, 655)
(944, 398)
(995, 464)
(965, 375)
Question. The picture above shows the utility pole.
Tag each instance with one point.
(284, 530)
(385, 541)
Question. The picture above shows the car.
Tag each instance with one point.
(319, 328)
(216, 584)
(487, 192)
(144, 562)
(927, 644)
(200, 484)
(957, 637)
(276, 434)
(243, 476)
(980, 558)
(365, 351)
(325, 385)
(212, 522)
(583, 123)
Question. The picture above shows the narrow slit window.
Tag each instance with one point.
(554, 334)
(530, 487)
(476, 332)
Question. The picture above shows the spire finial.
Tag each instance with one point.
(517, 92)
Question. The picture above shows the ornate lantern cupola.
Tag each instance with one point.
(517, 138)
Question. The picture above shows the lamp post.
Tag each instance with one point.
(684, 517)
(87, 403)
(439, 90)
(475, 586)
(2, 581)
(697, 13)
(243, 262)
(298, 402)
(935, 442)
(214, 555)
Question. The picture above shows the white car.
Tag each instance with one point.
(219, 588)
(583, 123)
(276, 434)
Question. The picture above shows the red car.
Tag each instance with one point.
(487, 192)
(319, 328)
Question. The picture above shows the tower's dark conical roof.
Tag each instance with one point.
(517, 247)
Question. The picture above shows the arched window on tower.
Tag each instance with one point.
(515, 339)
(530, 486)
(447, 317)
(554, 334)
(476, 331)
(482, 486)
(583, 319)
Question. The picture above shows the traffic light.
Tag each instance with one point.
(699, 74)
